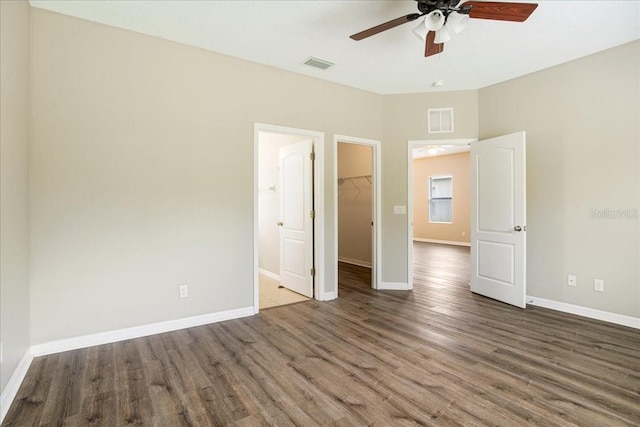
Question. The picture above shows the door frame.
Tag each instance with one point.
(318, 196)
(376, 232)
(413, 144)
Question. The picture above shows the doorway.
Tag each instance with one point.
(438, 205)
(498, 217)
(357, 204)
(269, 193)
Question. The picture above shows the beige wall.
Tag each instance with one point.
(355, 203)
(142, 172)
(405, 119)
(142, 160)
(458, 167)
(583, 137)
(14, 185)
(269, 201)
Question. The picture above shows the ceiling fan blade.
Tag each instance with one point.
(386, 26)
(501, 11)
(431, 47)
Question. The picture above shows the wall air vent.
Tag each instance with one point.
(318, 63)
(440, 120)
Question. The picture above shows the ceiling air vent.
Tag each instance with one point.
(318, 63)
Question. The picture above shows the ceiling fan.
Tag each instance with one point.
(444, 16)
(432, 150)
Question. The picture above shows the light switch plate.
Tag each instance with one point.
(399, 210)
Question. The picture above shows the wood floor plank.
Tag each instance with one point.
(65, 394)
(29, 403)
(100, 373)
(435, 356)
(132, 386)
(97, 410)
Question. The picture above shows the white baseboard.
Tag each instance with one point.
(394, 286)
(442, 242)
(267, 273)
(11, 390)
(355, 262)
(137, 331)
(328, 296)
(592, 313)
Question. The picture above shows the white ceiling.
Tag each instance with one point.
(442, 150)
(284, 34)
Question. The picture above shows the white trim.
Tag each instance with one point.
(11, 390)
(394, 286)
(411, 145)
(319, 225)
(442, 242)
(256, 222)
(357, 262)
(319, 233)
(592, 313)
(137, 331)
(269, 274)
(335, 213)
(328, 296)
(376, 260)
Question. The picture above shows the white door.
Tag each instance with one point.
(296, 221)
(498, 219)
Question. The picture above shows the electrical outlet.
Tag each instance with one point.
(184, 291)
(571, 280)
(598, 285)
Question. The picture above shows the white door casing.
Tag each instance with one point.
(498, 218)
(296, 221)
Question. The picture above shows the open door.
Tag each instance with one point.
(296, 217)
(498, 219)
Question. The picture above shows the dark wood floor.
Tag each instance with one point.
(438, 355)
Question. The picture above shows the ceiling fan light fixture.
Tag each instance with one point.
(421, 31)
(456, 22)
(442, 35)
(434, 20)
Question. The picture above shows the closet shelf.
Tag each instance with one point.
(343, 179)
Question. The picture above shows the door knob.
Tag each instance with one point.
(517, 228)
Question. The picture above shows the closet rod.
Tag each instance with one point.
(354, 177)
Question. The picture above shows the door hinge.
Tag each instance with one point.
(313, 272)
(313, 156)
(312, 214)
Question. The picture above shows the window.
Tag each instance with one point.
(440, 198)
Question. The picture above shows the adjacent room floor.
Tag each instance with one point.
(438, 355)
(273, 295)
